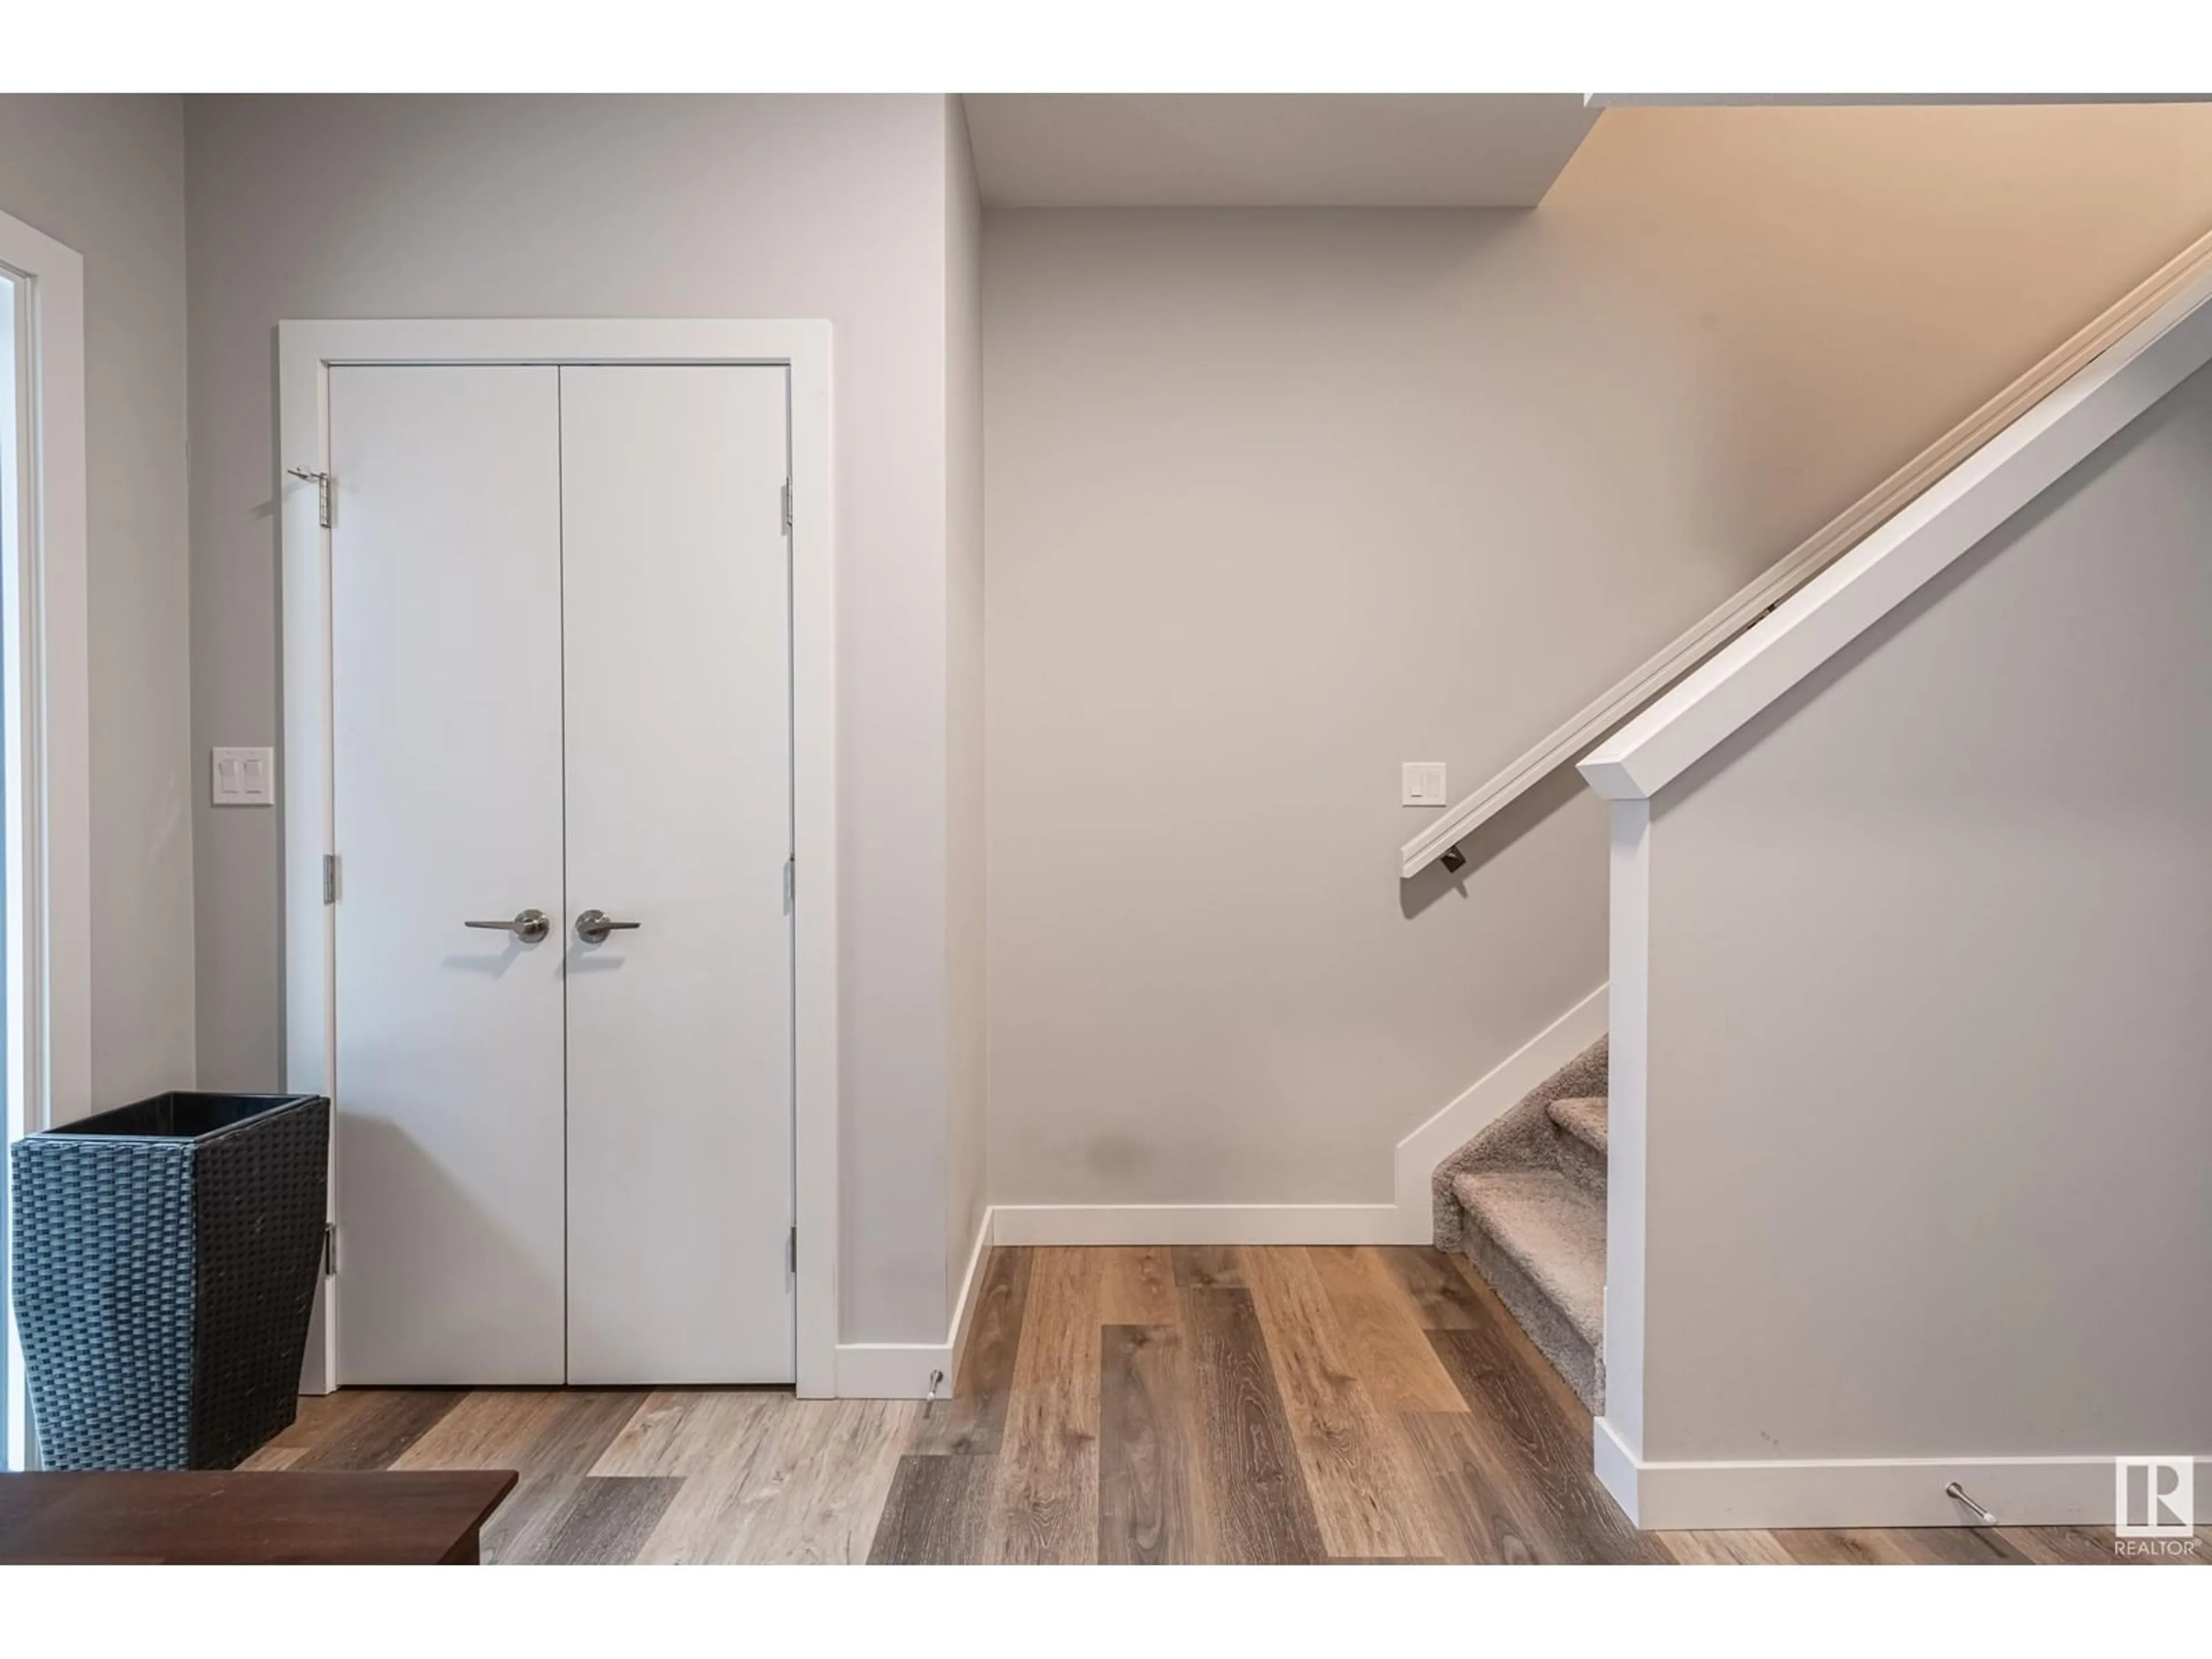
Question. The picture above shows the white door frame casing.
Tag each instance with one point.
(45, 697)
(306, 351)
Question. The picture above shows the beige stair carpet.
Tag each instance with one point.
(1525, 1201)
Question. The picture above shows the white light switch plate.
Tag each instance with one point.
(1424, 785)
(242, 777)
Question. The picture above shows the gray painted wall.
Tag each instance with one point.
(1929, 1150)
(1277, 499)
(106, 176)
(1546, 440)
(613, 207)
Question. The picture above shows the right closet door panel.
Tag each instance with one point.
(676, 699)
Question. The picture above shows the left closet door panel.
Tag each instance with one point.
(446, 692)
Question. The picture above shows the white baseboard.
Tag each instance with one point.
(1615, 1467)
(902, 1371)
(1197, 1223)
(891, 1371)
(1408, 1218)
(1904, 1491)
(963, 1311)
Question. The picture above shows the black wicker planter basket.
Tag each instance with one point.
(164, 1258)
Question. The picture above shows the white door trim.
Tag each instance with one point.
(306, 351)
(48, 846)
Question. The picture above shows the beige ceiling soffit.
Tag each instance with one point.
(1871, 99)
(1251, 150)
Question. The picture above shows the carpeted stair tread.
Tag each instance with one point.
(1583, 1117)
(1553, 1228)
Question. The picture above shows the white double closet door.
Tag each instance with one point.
(561, 684)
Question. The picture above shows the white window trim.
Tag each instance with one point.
(306, 352)
(49, 926)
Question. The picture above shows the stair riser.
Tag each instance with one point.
(1547, 1327)
(1578, 1158)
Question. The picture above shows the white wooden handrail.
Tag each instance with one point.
(1439, 839)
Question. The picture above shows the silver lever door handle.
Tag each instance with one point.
(528, 926)
(593, 926)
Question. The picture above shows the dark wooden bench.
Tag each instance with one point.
(426, 1518)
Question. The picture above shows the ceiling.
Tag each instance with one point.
(1270, 151)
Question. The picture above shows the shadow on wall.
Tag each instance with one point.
(1488, 839)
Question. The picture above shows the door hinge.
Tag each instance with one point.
(330, 877)
(787, 506)
(790, 883)
(791, 1252)
(322, 483)
(330, 1249)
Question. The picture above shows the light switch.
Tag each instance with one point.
(243, 777)
(1424, 785)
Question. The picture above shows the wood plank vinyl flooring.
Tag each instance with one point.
(1359, 1471)
(1044, 1504)
(1148, 1510)
(1349, 1404)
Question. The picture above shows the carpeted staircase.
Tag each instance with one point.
(1525, 1200)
